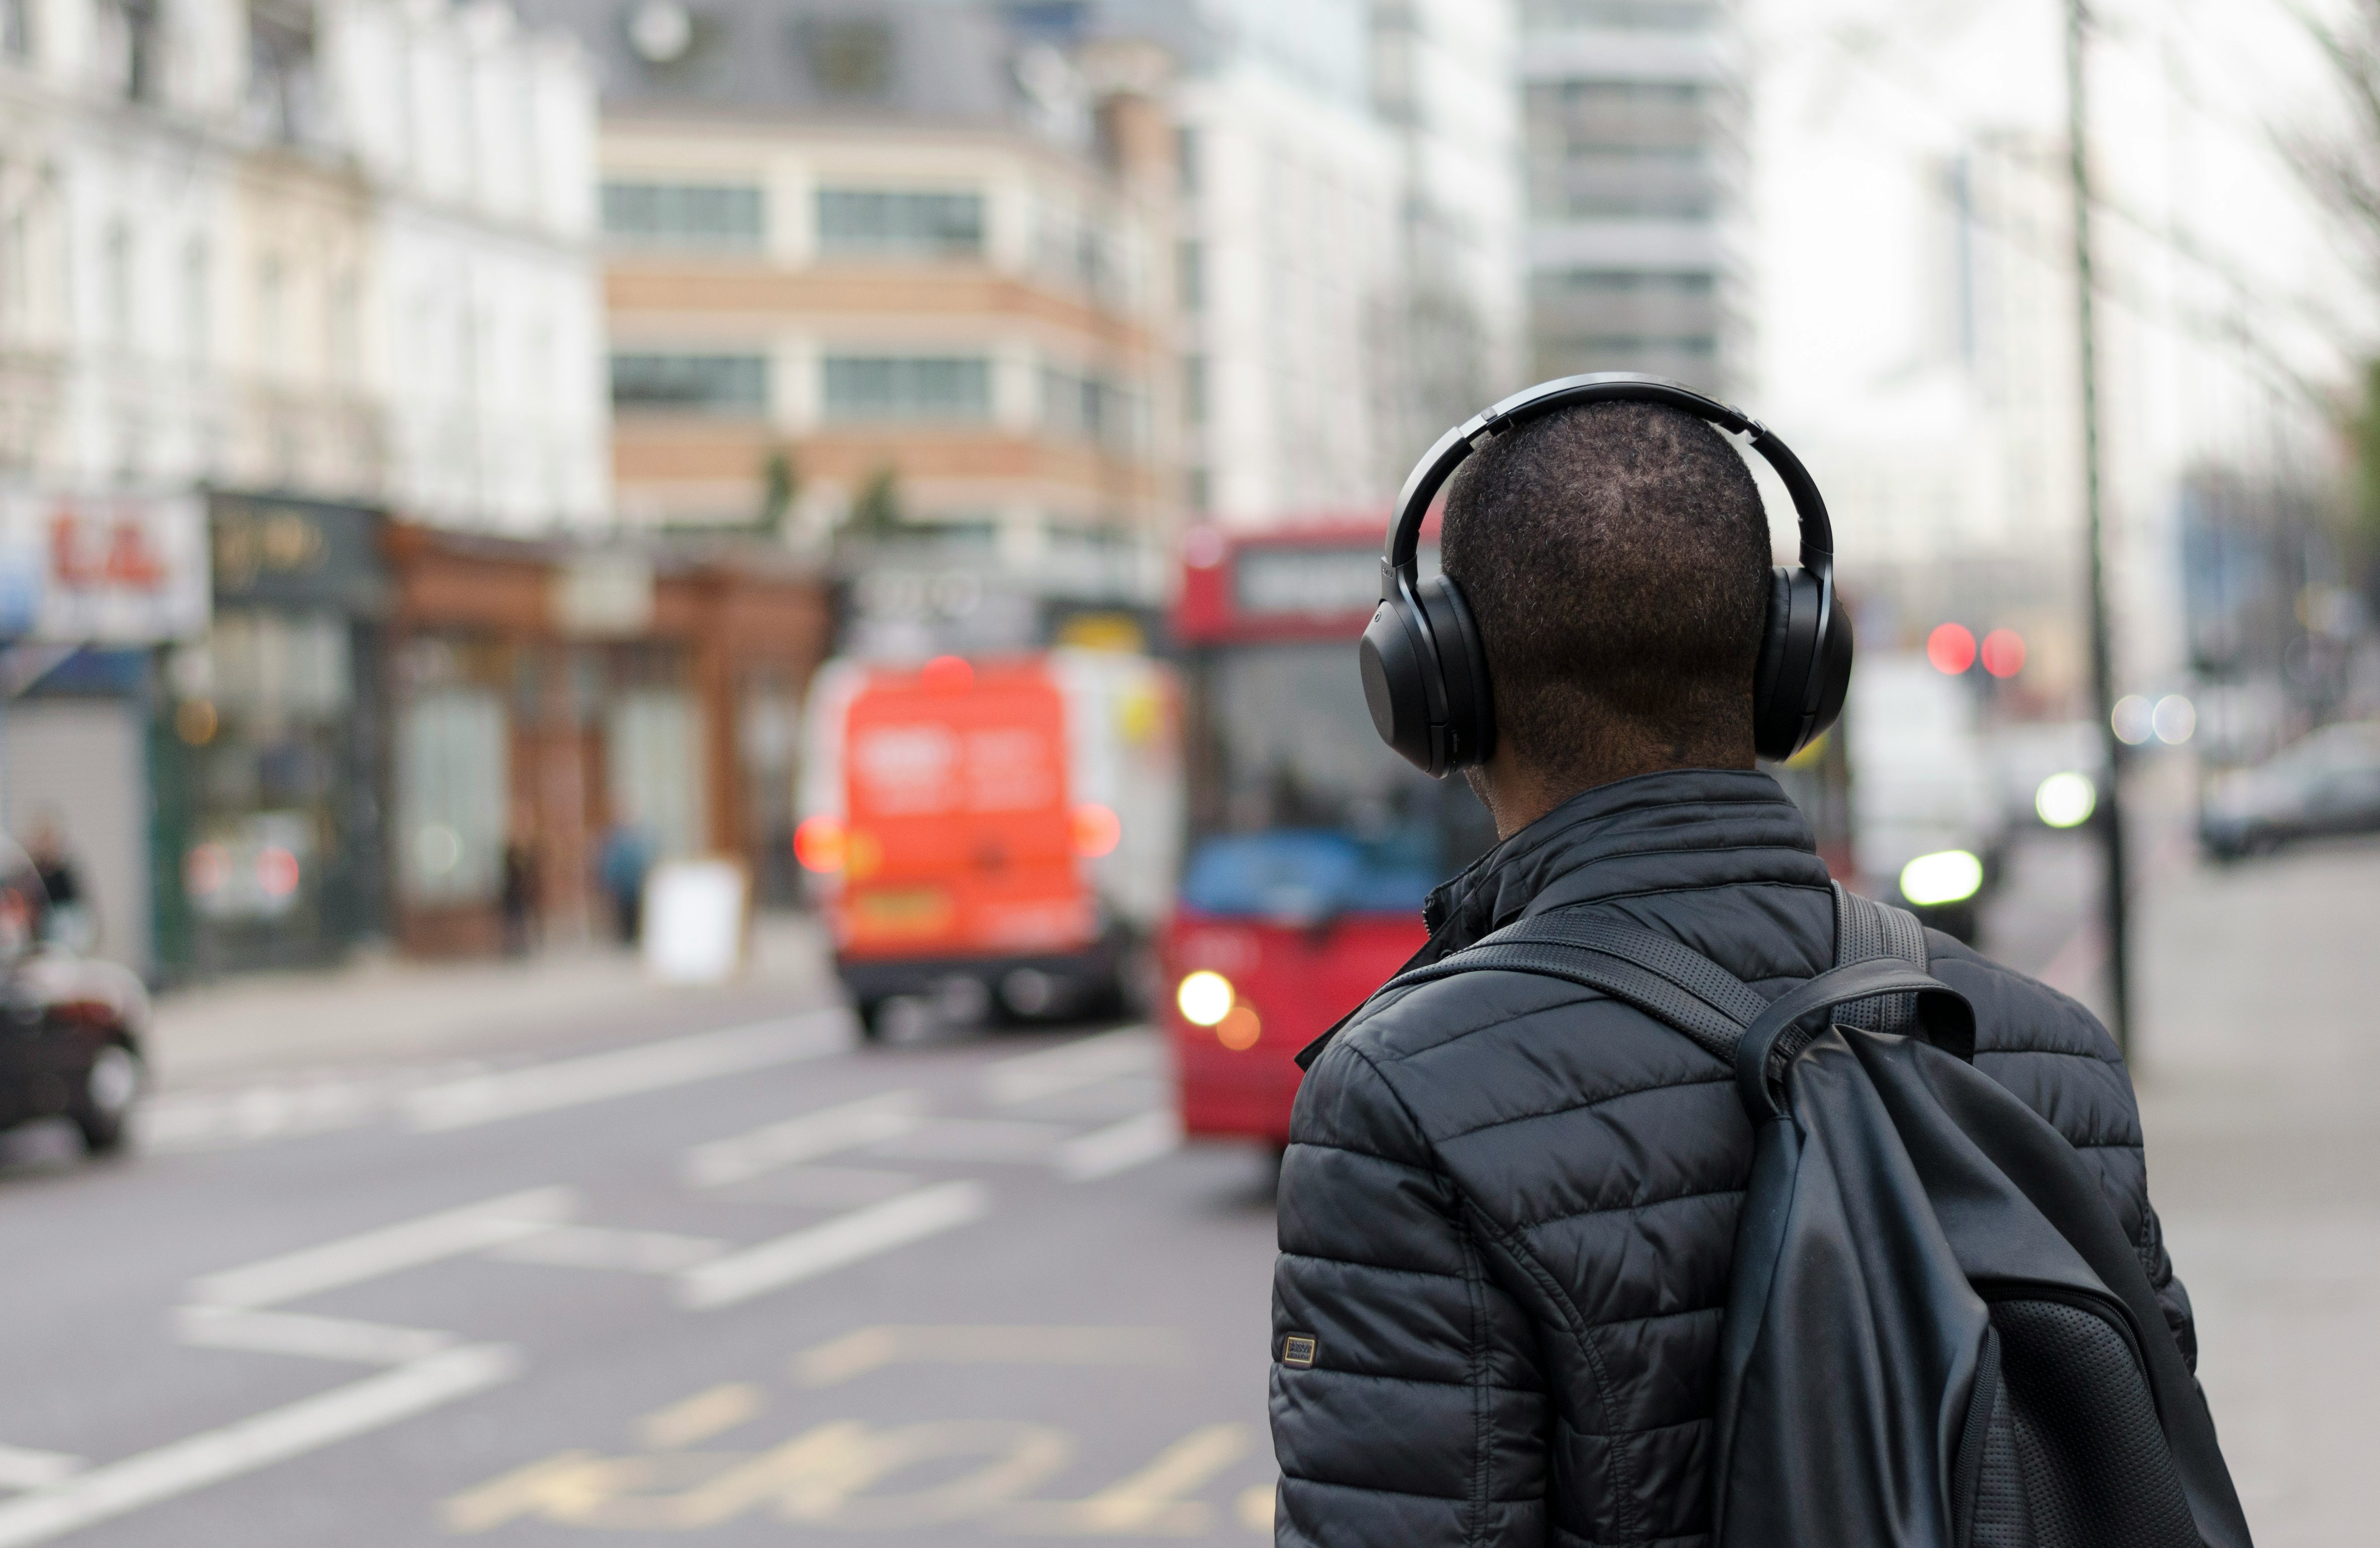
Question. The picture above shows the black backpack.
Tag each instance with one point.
(1937, 1335)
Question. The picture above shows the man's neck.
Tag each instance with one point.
(1517, 792)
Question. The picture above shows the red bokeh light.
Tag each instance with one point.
(2004, 652)
(818, 844)
(947, 674)
(277, 871)
(1097, 830)
(1951, 648)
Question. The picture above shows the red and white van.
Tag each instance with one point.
(1001, 831)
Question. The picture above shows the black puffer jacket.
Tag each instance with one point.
(1509, 1205)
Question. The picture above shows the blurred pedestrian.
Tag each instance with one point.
(627, 855)
(1508, 1208)
(69, 922)
(519, 894)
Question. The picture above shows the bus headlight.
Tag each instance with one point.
(2065, 800)
(1948, 876)
(1203, 998)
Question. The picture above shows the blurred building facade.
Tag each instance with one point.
(293, 295)
(339, 248)
(1959, 499)
(1442, 82)
(895, 276)
(1291, 262)
(1632, 120)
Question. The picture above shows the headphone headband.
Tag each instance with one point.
(1401, 554)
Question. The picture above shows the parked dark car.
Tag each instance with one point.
(70, 1027)
(2326, 783)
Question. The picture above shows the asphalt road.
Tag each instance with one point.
(659, 1271)
(727, 1281)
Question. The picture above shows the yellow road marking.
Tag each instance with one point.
(873, 1348)
(693, 1420)
(818, 1477)
(528, 1491)
(1150, 1502)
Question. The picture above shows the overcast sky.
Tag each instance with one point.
(1853, 99)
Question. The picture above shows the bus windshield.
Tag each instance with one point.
(1297, 811)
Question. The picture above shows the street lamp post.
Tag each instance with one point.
(2103, 674)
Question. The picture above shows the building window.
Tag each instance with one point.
(882, 221)
(119, 284)
(682, 215)
(17, 29)
(690, 384)
(1193, 389)
(1190, 260)
(1088, 408)
(1187, 147)
(281, 79)
(955, 389)
(1628, 16)
(344, 329)
(272, 327)
(198, 338)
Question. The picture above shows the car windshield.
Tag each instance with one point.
(1297, 808)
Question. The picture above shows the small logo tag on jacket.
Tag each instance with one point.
(1299, 1349)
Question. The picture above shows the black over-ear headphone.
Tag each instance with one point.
(1426, 670)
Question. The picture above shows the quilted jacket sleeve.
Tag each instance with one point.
(1407, 1402)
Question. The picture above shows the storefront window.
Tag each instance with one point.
(654, 742)
(451, 797)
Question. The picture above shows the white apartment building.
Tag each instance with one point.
(339, 249)
(1638, 258)
(1442, 74)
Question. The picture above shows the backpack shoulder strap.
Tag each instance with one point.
(1866, 931)
(1666, 979)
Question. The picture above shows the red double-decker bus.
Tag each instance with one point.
(1312, 847)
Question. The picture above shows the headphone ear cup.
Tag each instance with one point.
(1463, 667)
(1787, 716)
(1394, 692)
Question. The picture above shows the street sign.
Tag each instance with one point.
(102, 569)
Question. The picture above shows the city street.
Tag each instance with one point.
(718, 1279)
(657, 1263)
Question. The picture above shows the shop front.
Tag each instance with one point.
(272, 757)
(551, 699)
(90, 584)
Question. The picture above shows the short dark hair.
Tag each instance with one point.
(1616, 556)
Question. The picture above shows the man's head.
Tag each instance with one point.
(1616, 557)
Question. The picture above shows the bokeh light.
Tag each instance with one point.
(1951, 648)
(2065, 800)
(1203, 998)
(2003, 652)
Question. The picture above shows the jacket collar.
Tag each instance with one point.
(1676, 829)
(1673, 831)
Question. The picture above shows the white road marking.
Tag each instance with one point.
(23, 1467)
(745, 1157)
(848, 1238)
(975, 1139)
(277, 1435)
(447, 1234)
(1126, 1050)
(597, 1247)
(629, 1071)
(296, 1333)
(1119, 1146)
